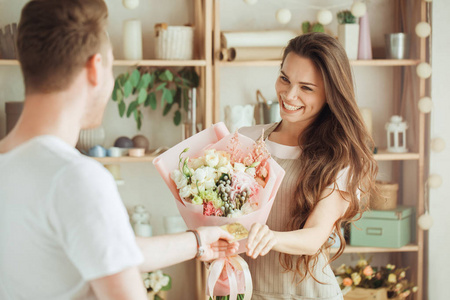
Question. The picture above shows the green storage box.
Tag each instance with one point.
(384, 228)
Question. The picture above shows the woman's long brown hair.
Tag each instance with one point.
(337, 139)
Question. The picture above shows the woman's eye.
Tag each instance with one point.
(306, 88)
(284, 79)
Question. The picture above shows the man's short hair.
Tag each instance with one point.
(56, 38)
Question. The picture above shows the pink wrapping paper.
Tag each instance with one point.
(218, 137)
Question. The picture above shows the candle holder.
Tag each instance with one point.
(396, 135)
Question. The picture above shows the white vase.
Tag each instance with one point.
(174, 42)
(91, 137)
(132, 39)
(348, 36)
(238, 116)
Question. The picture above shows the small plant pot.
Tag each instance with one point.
(348, 36)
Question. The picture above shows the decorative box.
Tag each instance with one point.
(366, 294)
(384, 228)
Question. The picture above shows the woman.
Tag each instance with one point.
(324, 147)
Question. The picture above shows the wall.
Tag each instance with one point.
(238, 86)
(439, 241)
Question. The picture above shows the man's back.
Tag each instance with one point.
(61, 223)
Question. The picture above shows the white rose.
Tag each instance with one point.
(223, 159)
(179, 179)
(185, 192)
(193, 188)
(197, 162)
(251, 171)
(165, 280)
(211, 158)
(199, 175)
(147, 283)
(209, 184)
(239, 167)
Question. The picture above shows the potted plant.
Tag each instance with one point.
(348, 33)
(314, 27)
(157, 284)
(141, 88)
(366, 282)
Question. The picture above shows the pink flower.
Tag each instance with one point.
(244, 182)
(210, 210)
(368, 271)
(347, 282)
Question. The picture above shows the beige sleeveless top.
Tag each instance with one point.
(270, 280)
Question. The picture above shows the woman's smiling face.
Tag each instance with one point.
(300, 90)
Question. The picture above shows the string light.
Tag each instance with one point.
(423, 70)
(130, 4)
(425, 105)
(437, 145)
(283, 16)
(434, 181)
(324, 17)
(358, 9)
(423, 29)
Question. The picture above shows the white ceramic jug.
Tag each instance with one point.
(238, 116)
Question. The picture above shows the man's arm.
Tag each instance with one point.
(125, 285)
(167, 250)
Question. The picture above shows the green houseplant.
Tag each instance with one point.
(141, 88)
(314, 27)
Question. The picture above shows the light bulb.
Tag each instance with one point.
(425, 221)
(358, 9)
(425, 105)
(434, 181)
(423, 29)
(437, 145)
(423, 70)
(324, 17)
(130, 4)
(283, 16)
(250, 2)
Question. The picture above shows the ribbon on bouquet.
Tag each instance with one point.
(230, 264)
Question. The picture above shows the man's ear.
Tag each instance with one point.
(93, 69)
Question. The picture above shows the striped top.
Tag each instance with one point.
(270, 280)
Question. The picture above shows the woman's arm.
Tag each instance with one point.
(306, 241)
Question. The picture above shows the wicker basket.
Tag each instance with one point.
(174, 42)
(387, 198)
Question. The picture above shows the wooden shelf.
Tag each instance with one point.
(384, 155)
(124, 159)
(160, 63)
(353, 249)
(369, 63)
(130, 63)
(9, 62)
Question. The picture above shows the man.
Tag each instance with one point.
(64, 232)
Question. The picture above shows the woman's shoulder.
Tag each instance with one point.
(254, 132)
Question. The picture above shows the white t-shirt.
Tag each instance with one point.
(62, 223)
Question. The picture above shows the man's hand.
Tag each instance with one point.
(216, 243)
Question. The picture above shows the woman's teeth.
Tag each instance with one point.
(290, 107)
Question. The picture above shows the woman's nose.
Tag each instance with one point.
(292, 93)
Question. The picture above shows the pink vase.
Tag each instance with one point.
(365, 46)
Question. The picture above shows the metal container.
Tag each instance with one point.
(266, 112)
(397, 45)
(13, 111)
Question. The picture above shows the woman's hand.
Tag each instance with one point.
(216, 243)
(260, 240)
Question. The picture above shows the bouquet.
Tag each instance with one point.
(155, 282)
(363, 275)
(218, 178)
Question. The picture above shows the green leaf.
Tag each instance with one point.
(127, 89)
(122, 107)
(167, 109)
(151, 100)
(119, 95)
(144, 82)
(167, 95)
(142, 96)
(122, 78)
(177, 118)
(132, 107)
(114, 94)
(317, 27)
(166, 76)
(186, 100)
(156, 297)
(305, 26)
(135, 77)
(161, 86)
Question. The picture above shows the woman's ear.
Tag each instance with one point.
(93, 69)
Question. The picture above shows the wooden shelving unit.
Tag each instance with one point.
(133, 63)
(124, 159)
(367, 63)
